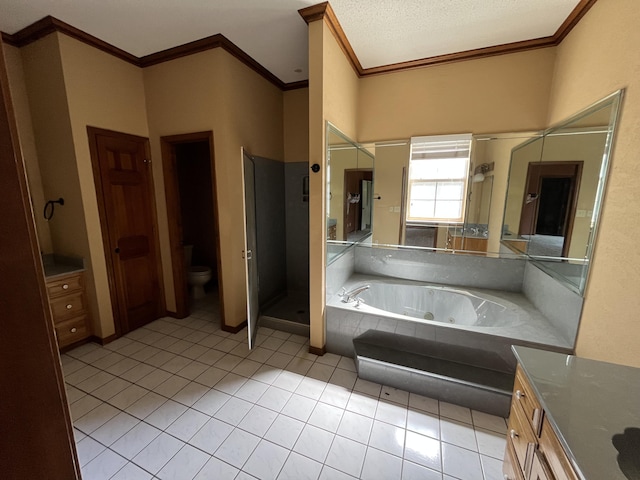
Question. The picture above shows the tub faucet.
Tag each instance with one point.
(352, 295)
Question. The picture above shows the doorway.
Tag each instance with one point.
(549, 206)
(189, 174)
(357, 206)
(126, 203)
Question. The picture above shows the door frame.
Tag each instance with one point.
(119, 310)
(174, 216)
(538, 175)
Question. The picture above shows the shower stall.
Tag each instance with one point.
(278, 192)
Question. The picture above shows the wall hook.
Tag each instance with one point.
(49, 207)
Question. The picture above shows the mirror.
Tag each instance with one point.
(570, 159)
(556, 185)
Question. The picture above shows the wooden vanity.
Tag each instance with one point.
(533, 450)
(572, 418)
(68, 301)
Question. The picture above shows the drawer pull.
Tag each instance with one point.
(65, 286)
(73, 330)
(69, 306)
(519, 394)
(513, 434)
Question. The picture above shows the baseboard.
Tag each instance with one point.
(318, 351)
(103, 341)
(236, 329)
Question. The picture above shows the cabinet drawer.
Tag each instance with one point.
(554, 454)
(64, 285)
(67, 306)
(521, 437)
(72, 331)
(523, 396)
(510, 467)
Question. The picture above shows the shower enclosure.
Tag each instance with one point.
(278, 193)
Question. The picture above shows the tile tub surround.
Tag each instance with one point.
(180, 399)
(456, 270)
(556, 302)
(340, 269)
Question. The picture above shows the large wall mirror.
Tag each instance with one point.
(534, 195)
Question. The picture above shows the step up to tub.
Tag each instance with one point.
(379, 360)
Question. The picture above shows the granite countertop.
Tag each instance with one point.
(589, 404)
(56, 265)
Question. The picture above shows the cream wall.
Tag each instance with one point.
(296, 125)
(212, 90)
(340, 161)
(106, 92)
(20, 99)
(506, 93)
(598, 57)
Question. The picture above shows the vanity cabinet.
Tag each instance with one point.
(533, 450)
(68, 302)
(473, 244)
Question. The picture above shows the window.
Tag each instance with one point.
(438, 174)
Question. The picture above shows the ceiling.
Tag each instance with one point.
(381, 32)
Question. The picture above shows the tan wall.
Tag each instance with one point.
(213, 91)
(20, 100)
(296, 125)
(102, 91)
(506, 93)
(340, 160)
(598, 57)
(387, 183)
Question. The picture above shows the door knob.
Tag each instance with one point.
(117, 250)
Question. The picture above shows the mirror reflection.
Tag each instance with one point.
(529, 194)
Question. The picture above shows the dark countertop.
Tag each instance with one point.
(589, 404)
(56, 265)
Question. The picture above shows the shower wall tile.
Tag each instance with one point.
(460, 270)
(339, 271)
(297, 227)
(561, 306)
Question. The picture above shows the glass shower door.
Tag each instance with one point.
(250, 253)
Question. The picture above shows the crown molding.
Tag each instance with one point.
(50, 24)
(323, 11)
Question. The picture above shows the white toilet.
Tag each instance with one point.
(197, 276)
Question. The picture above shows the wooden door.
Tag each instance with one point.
(122, 171)
(37, 437)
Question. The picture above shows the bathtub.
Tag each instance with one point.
(441, 304)
(449, 343)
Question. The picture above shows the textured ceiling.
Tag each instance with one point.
(272, 32)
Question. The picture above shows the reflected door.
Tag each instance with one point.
(250, 252)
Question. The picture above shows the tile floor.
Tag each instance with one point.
(183, 400)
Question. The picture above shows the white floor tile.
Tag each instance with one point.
(299, 365)
(166, 414)
(329, 359)
(394, 395)
(233, 411)
(258, 420)
(423, 450)
(211, 356)
(343, 378)
(392, 413)
(266, 461)
(185, 465)
(329, 473)
(461, 463)
(326, 416)
(88, 449)
(216, 469)
(237, 448)
(427, 404)
(274, 399)
(190, 394)
(211, 435)
(455, 412)
(278, 359)
(347, 363)
(335, 395)
(115, 428)
(132, 442)
(458, 433)
(413, 471)
(355, 427)
(299, 467)
(311, 388)
(489, 422)
(491, 443)
(267, 374)
(96, 418)
(95, 381)
(211, 402)
(284, 431)
(299, 407)
(491, 468)
(378, 465)
(314, 443)
(176, 364)
(388, 438)
(146, 405)
(104, 466)
(288, 380)
(128, 396)
(423, 422)
(210, 376)
(131, 472)
(158, 453)
(122, 367)
(187, 424)
(111, 389)
(171, 386)
(367, 387)
(347, 456)
(362, 404)
(153, 378)
(246, 368)
(230, 383)
(321, 372)
(228, 362)
(83, 406)
(252, 390)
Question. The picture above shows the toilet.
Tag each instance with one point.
(197, 276)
